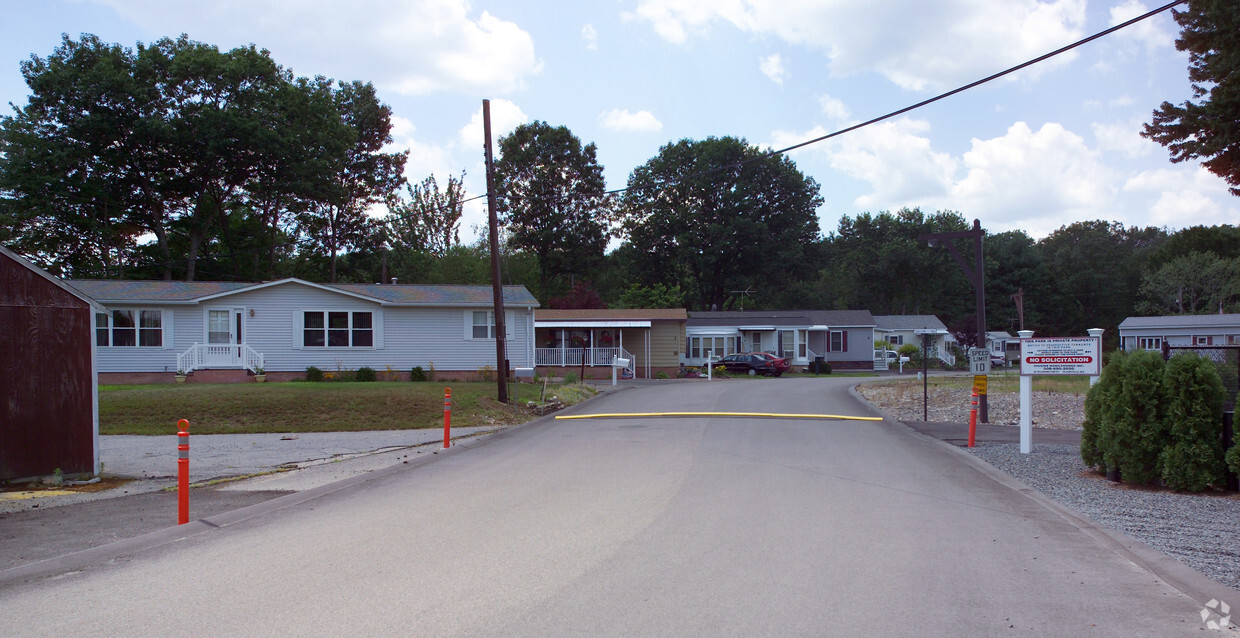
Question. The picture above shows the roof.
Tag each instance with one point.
(1183, 321)
(907, 322)
(133, 291)
(789, 318)
(54, 280)
(604, 314)
(998, 334)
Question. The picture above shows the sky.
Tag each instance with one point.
(1055, 143)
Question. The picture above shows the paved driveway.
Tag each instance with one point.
(639, 526)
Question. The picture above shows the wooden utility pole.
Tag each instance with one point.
(976, 276)
(497, 286)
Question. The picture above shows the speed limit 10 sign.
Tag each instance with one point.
(979, 361)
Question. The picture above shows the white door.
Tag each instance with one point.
(223, 337)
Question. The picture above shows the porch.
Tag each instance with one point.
(219, 356)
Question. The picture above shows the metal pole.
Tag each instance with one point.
(925, 378)
(447, 416)
(1026, 405)
(979, 283)
(497, 285)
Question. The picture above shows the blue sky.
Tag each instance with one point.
(1053, 144)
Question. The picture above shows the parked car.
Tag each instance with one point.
(754, 363)
(997, 360)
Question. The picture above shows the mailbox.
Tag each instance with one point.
(524, 373)
(620, 363)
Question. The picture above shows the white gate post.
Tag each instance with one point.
(1095, 332)
(1026, 405)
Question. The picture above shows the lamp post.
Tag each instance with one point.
(976, 276)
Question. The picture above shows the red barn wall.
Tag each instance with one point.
(46, 381)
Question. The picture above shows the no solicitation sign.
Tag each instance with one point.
(1061, 355)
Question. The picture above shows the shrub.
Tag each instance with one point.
(570, 377)
(1233, 457)
(1194, 414)
(913, 352)
(1097, 401)
(661, 375)
(417, 374)
(314, 374)
(1133, 434)
(486, 373)
(430, 374)
(820, 367)
(365, 374)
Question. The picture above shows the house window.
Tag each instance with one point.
(338, 329)
(484, 324)
(803, 343)
(757, 342)
(126, 328)
(217, 326)
(695, 347)
(1150, 343)
(788, 337)
(896, 340)
(1203, 341)
(837, 341)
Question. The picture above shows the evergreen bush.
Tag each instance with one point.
(1132, 433)
(314, 374)
(1097, 403)
(417, 374)
(1194, 420)
(365, 375)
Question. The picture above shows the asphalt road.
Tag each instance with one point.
(638, 526)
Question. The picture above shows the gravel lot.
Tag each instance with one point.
(1200, 530)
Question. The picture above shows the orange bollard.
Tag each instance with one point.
(973, 419)
(447, 416)
(182, 472)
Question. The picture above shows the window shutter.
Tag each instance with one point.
(297, 322)
(165, 324)
(845, 340)
(376, 327)
(509, 325)
(469, 325)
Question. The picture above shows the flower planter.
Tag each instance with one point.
(260, 378)
(180, 378)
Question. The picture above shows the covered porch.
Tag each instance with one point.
(592, 344)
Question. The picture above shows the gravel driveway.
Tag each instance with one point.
(1200, 530)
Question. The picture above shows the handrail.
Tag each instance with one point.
(224, 355)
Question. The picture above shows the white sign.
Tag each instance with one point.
(1061, 356)
(979, 360)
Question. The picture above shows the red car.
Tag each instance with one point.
(754, 363)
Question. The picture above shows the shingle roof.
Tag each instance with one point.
(434, 295)
(131, 291)
(126, 290)
(908, 322)
(782, 318)
(1183, 321)
(648, 314)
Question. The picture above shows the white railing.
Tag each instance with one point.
(943, 354)
(568, 357)
(880, 359)
(219, 355)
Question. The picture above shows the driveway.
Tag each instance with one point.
(639, 526)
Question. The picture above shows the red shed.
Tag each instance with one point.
(49, 403)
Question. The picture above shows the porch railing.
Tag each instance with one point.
(219, 355)
(568, 357)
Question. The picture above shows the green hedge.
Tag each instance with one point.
(1149, 421)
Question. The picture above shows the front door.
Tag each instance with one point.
(223, 338)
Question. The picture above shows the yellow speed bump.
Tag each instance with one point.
(777, 415)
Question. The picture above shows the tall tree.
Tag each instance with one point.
(430, 219)
(719, 215)
(1194, 283)
(364, 177)
(550, 194)
(1210, 127)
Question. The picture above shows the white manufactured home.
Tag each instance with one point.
(1150, 333)
(224, 331)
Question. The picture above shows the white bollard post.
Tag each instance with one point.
(1095, 332)
(1026, 405)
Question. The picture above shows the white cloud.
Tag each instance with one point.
(590, 36)
(1124, 138)
(1034, 181)
(505, 116)
(939, 44)
(834, 109)
(773, 68)
(623, 120)
(1150, 32)
(408, 46)
(1184, 193)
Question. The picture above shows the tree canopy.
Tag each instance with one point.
(1208, 128)
(719, 215)
(212, 154)
(551, 197)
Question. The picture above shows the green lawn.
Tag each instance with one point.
(309, 407)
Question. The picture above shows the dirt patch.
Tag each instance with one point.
(101, 485)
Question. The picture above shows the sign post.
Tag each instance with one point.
(1026, 398)
(1060, 356)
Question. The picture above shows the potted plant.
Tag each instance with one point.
(180, 376)
(259, 375)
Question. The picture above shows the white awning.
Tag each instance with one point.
(596, 323)
(755, 328)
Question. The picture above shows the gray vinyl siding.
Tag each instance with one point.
(404, 336)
